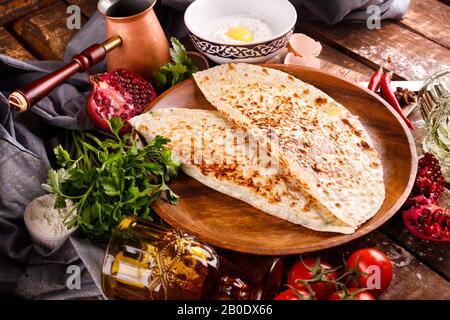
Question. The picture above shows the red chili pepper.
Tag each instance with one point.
(389, 96)
(375, 80)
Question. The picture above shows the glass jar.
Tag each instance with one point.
(248, 277)
(434, 103)
(149, 261)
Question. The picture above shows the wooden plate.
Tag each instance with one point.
(232, 224)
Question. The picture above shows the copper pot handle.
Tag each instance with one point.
(23, 99)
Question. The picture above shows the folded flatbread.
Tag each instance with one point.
(225, 158)
(316, 140)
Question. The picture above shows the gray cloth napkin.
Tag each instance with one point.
(332, 11)
(27, 140)
(26, 143)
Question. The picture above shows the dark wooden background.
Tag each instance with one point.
(418, 46)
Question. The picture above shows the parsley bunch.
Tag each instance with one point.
(176, 71)
(111, 179)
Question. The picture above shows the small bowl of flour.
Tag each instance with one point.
(45, 224)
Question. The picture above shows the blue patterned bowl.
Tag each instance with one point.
(279, 14)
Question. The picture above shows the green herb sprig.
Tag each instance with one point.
(181, 67)
(111, 179)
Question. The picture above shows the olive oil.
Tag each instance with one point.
(148, 261)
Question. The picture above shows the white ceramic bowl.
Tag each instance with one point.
(279, 14)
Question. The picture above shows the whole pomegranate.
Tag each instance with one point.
(118, 93)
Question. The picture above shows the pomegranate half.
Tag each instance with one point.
(424, 219)
(430, 183)
(428, 222)
(118, 93)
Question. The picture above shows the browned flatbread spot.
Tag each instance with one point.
(354, 130)
(320, 101)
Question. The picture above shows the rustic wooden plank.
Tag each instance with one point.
(11, 10)
(88, 7)
(11, 47)
(342, 71)
(45, 31)
(429, 18)
(435, 255)
(412, 279)
(336, 62)
(413, 56)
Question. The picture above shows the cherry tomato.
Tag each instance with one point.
(376, 269)
(290, 294)
(316, 271)
(352, 294)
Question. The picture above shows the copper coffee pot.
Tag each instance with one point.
(145, 47)
(135, 35)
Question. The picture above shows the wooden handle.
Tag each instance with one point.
(24, 98)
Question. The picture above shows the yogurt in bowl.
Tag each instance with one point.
(251, 31)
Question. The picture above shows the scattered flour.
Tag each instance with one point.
(419, 67)
(399, 257)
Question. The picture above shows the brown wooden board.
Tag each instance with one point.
(14, 9)
(10, 47)
(431, 19)
(341, 71)
(232, 224)
(433, 254)
(413, 56)
(45, 31)
(341, 64)
(88, 7)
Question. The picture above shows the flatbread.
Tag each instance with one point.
(316, 140)
(225, 158)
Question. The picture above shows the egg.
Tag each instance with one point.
(240, 34)
(238, 29)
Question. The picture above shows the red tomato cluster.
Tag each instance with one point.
(367, 274)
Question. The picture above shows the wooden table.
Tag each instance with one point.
(418, 46)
